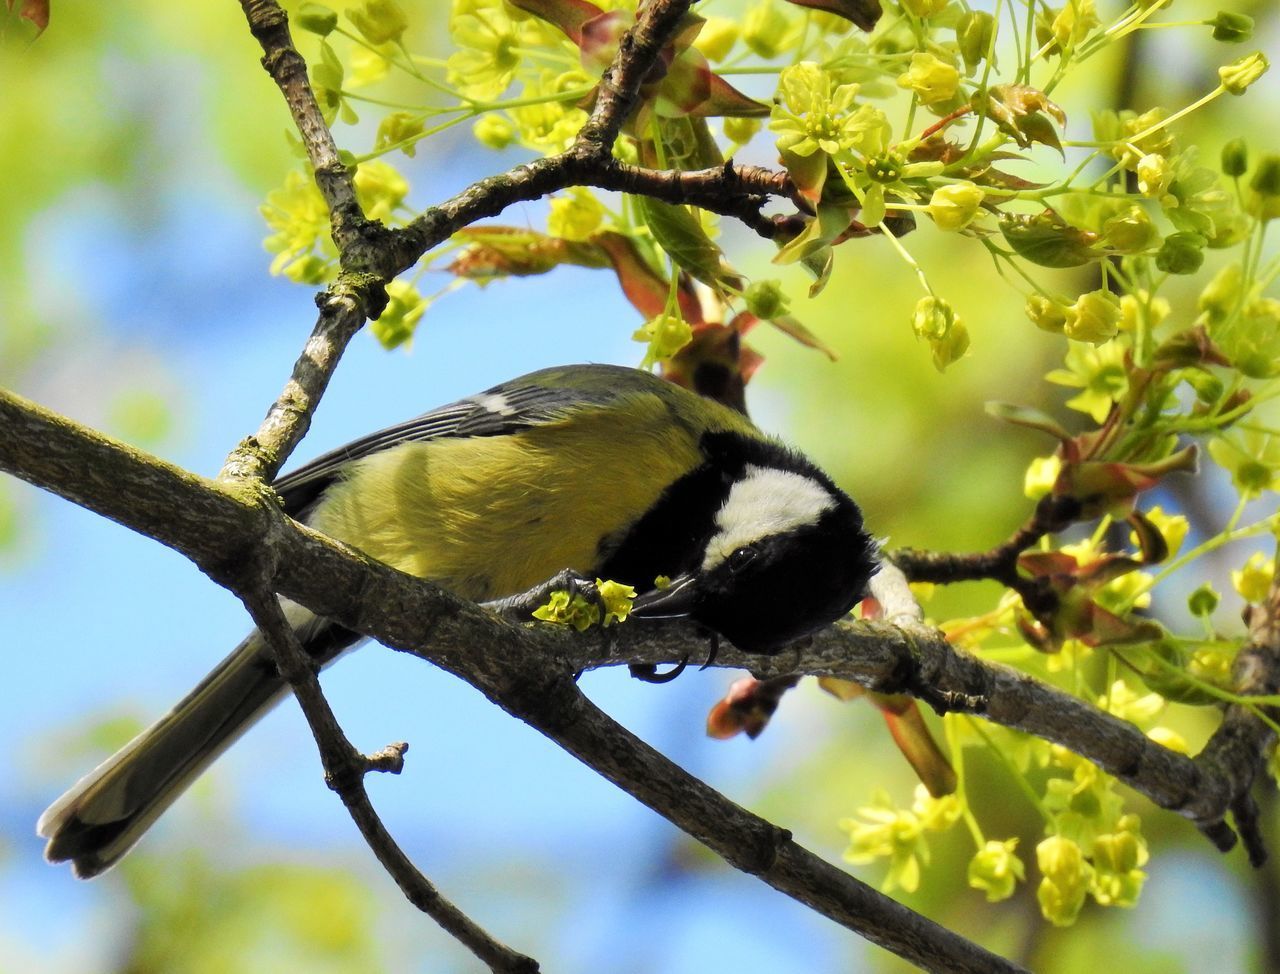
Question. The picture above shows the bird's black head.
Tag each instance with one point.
(785, 554)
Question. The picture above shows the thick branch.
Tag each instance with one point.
(223, 528)
(220, 527)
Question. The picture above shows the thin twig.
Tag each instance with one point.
(344, 771)
(270, 26)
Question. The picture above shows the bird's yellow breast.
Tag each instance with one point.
(489, 516)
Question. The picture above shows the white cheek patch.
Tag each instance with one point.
(767, 501)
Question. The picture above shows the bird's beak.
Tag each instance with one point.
(675, 601)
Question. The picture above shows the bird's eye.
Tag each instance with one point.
(741, 558)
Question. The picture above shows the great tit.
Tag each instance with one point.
(610, 472)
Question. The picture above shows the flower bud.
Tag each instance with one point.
(1181, 253)
(765, 299)
(995, 869)
(1237, 76)
(973, 37)
(1231, 28)
(1046, 314)
(924, 8)
(379, 21)
(1235, 158)
(493, 131)
(740, 130)
(1203, 601)
(763, 29)
(1130, 232)
(1066, 879)
(951, 346)
(954, 206)
(1095, 317)
(717, 37)
(1266, 179)
(933, 80)
(932, 319)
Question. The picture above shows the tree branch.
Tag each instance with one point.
(345, 768)
(270, 26)
(223, 529)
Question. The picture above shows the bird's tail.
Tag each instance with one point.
(104, 813)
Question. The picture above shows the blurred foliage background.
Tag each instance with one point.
(136, 144)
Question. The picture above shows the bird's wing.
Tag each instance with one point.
(503, 409)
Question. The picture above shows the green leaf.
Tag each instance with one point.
(792, 326)
(1048, 240)
(680, 234)
(1026, 416)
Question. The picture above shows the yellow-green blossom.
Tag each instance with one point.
(575, 216)
(1143, 309)
(1154, 175)
(932, 318)
(767, 29)
(616, 599)
(740, 130)
(1237, 76)
(299, 219)
(934, 81)
(399, 320)
(1118, 858)
(950, 348)
(1099, 372)
(486, 38)
(666, 335)
(935, 814)
(882, 831)
(816, 116)
(380, 189)
(1222, 295)
(1253, 460)
(367, 66)
(1122, 701)
(1253, 581)
(399, 129)
(1042, 474)
(1167, 737)
(954, 206)
(995, 869)
(550, 125)
(1074, 21)
(563, 609)
(1066, 879)
(717, 37)
(379, 21)
(493, 131)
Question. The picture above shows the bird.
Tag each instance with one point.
(605, 471)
